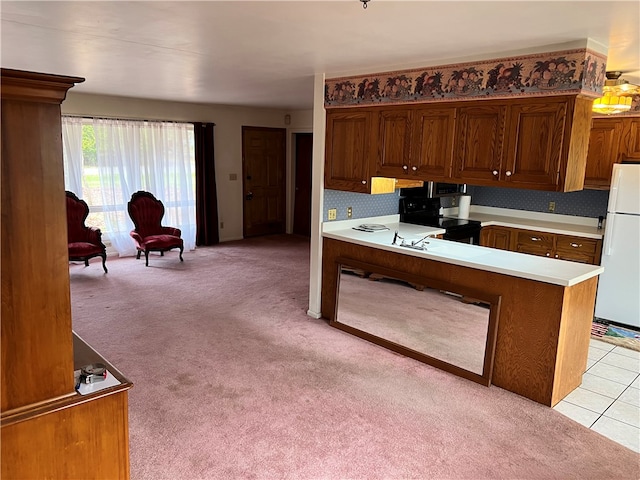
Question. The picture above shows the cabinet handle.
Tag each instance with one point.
(536, 239)
(414, 168)
(405, 167)
(364, 182)
(576, 245)
(495, 173)
(508, 173)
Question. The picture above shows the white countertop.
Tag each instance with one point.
(542, 269)
(540, 222)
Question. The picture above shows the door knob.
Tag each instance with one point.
(249, 196)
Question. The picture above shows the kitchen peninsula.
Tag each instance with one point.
(545, 305)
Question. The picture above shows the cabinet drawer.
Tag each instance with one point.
(578, 245)
(537, 243)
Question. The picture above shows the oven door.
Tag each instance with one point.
(469, 234)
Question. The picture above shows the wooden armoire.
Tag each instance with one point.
(48, 430)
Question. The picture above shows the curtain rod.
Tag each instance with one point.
(106, 117)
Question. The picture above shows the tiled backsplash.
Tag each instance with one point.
(585, 203)
(363, 205)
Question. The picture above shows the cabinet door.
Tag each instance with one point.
(630, 145)
(394, 139)
(536, 134)
(496, 237)
(606, 134)
(347, 150)
(432, 152)
(479, 143)
(535, 243)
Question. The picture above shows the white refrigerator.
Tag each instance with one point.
(618, 296)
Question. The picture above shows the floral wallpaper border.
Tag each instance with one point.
(579, 71)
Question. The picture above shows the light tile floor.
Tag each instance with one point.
(608, 401)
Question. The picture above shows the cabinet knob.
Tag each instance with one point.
(556, 255)
(404, 167)
(536, 239)
(508, 173)
(548, 254)
(364, 182)
(576, 245)
(495, 173)
(414, 168)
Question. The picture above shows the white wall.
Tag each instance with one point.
(228, 139)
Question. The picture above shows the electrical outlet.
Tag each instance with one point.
(332, 214)
(552, 207)
(349, 212)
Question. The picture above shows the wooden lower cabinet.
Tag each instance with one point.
(543, 330)
(552, 245)
(496, 237)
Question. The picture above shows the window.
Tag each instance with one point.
(107, 160)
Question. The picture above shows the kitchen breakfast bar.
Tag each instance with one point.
(540, 309)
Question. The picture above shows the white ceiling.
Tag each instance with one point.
(265, 53)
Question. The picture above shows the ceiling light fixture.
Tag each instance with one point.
(616, 95)
(364, 3)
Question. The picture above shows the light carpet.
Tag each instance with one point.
(233, 380)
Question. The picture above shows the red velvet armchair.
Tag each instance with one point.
(147, 211)
(84, 242)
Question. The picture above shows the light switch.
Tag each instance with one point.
(233, 176)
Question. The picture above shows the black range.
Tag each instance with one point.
(425, 211)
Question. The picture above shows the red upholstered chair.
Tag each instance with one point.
(147, 211)
(84, 242)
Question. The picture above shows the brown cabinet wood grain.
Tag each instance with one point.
(552, 245)
(47, 430)
(534, 143)
(479, 143)
(535, 137)
(348, 150)
(604, 143)
(612, 140)
(496, 237)
(432, 142)
(394, 143)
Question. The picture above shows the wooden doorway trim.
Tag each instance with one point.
(303, 164)
(263, 180)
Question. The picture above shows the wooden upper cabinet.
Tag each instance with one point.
(479, 143)
(631, 138)
(348, 150)
(432, 145)
(535, 135)
(604, 141)
(394, 143)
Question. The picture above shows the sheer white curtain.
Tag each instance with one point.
(154, 156)
(72, 154)
(131, 155)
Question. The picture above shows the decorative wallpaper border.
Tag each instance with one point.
(579, 71)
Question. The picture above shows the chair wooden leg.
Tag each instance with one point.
(104, 262)
(86, 262)
(138, 256)
(181, 249)
(146, 257)
(162, 253)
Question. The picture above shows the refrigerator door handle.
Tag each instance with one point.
(608, 233)
(613, 194)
